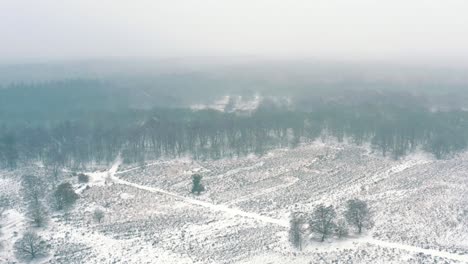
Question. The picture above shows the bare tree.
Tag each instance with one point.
(33, 193)
(33, 188)
(83, 178)
(30, 246)
(55, 160)
(295, 231)
(38, 214)
(358, 215)
(321, 221)
(4, 204)
(98, 215)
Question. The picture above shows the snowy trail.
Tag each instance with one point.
(432, 252)
(215, 207)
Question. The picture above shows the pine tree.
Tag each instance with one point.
(197, 186)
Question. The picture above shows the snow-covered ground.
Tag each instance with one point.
(13, 224)
(231, 103)
(420, 209)
(241, 104)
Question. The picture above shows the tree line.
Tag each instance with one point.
(140, 135)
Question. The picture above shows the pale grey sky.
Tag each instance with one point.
(375, 29)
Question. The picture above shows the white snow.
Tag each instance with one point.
(229, 103)
(214, 207)
(13, 225)
(126, 196)
(418, 203)
(431, 252)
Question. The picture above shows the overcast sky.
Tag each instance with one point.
(69, 29)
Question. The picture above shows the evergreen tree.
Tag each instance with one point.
(197, 186)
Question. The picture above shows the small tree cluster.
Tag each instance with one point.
(323, 222)
(83, 178)
(197, 186)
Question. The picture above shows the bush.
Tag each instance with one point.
(64, 196)
(83, 178)
(98, 215)
(197, 186)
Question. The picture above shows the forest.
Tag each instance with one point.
(139, 135)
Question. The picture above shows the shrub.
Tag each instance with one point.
(64, 196)
(197, 186)
(83, 178)
(98, 215)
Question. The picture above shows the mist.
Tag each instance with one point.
(233, 131)
(408, 32)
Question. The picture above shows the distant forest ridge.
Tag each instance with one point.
(99, 136)
(39, 102)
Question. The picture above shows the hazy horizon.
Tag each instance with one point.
(417, 32)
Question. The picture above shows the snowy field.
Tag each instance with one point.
(419, 205)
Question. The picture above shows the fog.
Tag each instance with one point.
(404, 31)
(233, 131)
